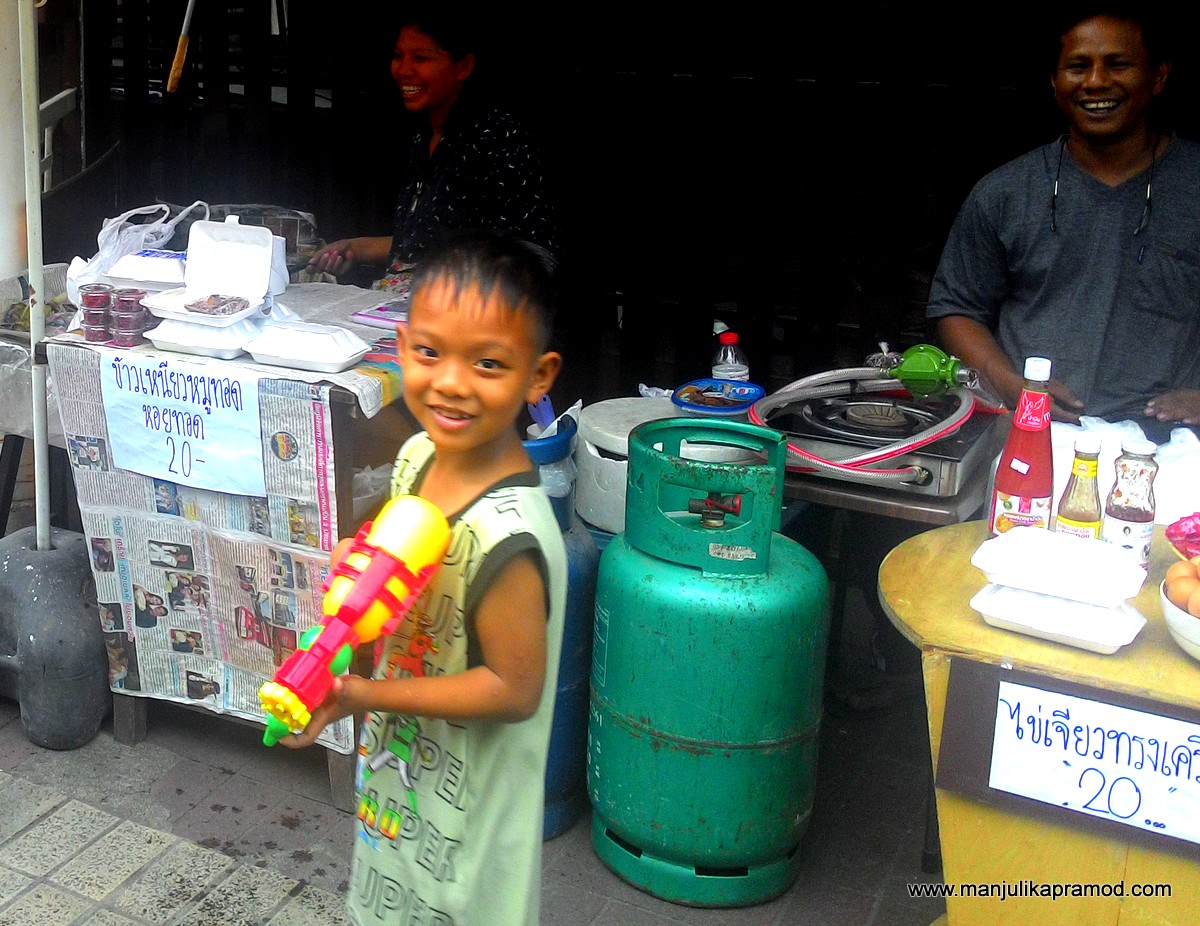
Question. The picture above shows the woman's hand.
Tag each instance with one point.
(346, 253)
(1182, 405)
(335, 258)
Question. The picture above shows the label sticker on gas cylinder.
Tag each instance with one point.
(731, 552)
(600, 646)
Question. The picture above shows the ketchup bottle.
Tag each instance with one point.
(1024, 485)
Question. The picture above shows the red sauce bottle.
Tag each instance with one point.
(1024, 485)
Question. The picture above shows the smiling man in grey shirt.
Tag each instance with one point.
(1087, 250)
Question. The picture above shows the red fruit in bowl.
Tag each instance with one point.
(1184, 535)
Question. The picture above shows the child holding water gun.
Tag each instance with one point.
(458, 710)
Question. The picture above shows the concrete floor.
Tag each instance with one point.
(200, 824)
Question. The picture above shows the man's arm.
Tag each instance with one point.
(973, 343)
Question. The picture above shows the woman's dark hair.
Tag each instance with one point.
(520, 272)
(454, 30)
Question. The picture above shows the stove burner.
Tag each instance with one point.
(874, 422)
(886, 417)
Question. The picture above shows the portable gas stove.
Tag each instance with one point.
(838, 427)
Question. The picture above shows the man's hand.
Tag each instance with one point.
(1182, 405)
(974, 344)
(1064, 404)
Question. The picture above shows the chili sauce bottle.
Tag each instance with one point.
(1129, 510)
(1024, 484)
(1079, 512)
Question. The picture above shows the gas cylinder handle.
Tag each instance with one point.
(661, 482)
(741, 434)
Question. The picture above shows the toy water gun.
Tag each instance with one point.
(390, 562)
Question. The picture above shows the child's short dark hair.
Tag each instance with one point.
(522, 273)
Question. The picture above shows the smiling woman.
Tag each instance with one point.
(471, 164)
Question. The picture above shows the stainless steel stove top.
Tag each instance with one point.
(840, 427)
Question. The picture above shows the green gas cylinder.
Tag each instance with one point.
(707, 673)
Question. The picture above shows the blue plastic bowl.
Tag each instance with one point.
(551, 449)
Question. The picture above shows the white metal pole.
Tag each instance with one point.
(27, 26)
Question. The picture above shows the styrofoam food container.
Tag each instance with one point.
(308, 346)
(1048, 617)
(151, 269)
(224, 258)
(1183, 627)
(602, 455)
(223, 343)
(1081, 569)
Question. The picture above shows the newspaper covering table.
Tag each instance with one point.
(204, 593)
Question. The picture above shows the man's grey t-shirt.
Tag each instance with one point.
(1118, 314)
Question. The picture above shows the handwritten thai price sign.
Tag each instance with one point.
(185, 422)
(1094, 759)
(1121, 764)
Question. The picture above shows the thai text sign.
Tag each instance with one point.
(1116, 763)
(188, 423)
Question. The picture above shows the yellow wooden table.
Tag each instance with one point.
(925, 586)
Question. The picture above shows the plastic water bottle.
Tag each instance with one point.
(730, 362)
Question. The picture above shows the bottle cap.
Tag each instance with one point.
(1087, 442)
(1037, 369)
(1139, 445)
(728, 337)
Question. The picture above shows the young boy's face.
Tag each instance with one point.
(470, 366)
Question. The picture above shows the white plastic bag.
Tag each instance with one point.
(119, 236)
(557, 477)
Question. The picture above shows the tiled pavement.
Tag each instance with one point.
(200, 824)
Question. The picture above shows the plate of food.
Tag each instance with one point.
(226, 276)
(218, 310)
(725, 398)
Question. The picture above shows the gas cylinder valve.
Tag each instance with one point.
(712, 510)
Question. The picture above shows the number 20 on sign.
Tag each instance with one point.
(1129, 766)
